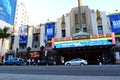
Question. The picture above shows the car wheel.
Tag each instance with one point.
(82, 64)
(68, 64)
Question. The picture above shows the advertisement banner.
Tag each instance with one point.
(83, 44)
(115, 23)
(7, 10)
(23, 32)
(50, 30)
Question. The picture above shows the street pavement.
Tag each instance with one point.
(6, 76)
(90, 72)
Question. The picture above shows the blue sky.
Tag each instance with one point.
(42, 10)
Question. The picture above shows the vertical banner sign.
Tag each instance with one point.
(115, 23)
(7, 10)
(23, 32)
(50, 30)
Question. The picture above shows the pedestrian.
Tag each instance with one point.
(32, 61)
(99, 60)
(29, 61)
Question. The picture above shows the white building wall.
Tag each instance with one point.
(16, 40)
(105, 24)
(21, 15)
(30, 36)
(67, 25)
(72, 20)
(88, 21)
(3, 24)
(94, 22)
(42, 34)
(58, 28)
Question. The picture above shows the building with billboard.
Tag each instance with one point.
(94, 22)
(13, 14)
(115, 27)
(7, 15)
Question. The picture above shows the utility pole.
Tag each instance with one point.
(80, 15)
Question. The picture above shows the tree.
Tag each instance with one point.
(4, 34)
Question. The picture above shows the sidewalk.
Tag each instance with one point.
(54, 77)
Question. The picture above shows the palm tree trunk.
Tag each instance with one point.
(1, 56)
(2, 42)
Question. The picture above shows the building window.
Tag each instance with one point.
(84, 29)
(100, 30)
(76, 19)
(12, 42)
(63, 33)
(36, 37)
(77, 30)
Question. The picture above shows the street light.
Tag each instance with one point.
(80, 15)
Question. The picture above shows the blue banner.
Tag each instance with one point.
(50, 30)
(7, 10)
(23, 32)
(115, 23)
(82, 44)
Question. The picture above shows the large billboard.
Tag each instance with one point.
(23, 32)
(7, 10)
(115, 23)
(50, 30)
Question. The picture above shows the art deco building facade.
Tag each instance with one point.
(93, 22)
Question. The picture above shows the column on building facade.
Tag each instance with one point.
(58, 28)
(30, 36)
(16, 40)
(42, 34)
(67, 27)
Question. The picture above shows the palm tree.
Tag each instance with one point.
(4, 34)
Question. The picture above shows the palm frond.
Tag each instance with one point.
(4, 32)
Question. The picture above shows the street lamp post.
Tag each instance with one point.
(80, 16)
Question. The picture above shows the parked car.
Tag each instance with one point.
(14, 62)
(76, 61)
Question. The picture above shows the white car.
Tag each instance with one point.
(76, 61)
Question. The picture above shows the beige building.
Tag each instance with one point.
(93, 22)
